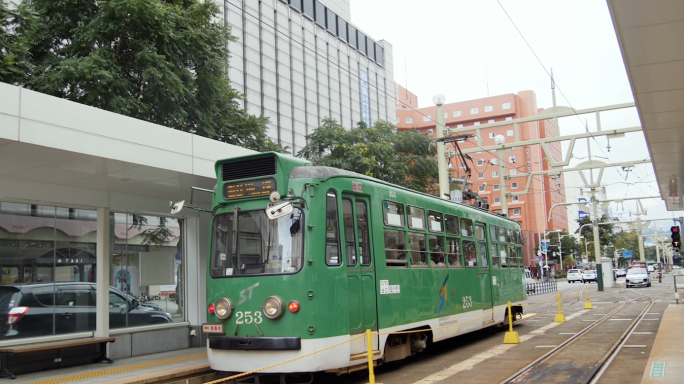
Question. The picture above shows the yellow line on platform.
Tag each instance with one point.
(88, 375)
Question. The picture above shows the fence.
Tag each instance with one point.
(541, 287)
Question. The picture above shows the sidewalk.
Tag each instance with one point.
(666, 364)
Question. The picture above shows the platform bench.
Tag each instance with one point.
(54, 354)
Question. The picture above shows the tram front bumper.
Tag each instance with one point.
(255, 343)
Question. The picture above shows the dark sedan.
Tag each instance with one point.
(42, 309)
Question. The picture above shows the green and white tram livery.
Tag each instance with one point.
(305, 257)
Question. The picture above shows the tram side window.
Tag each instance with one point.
(395, 248)
(466, 227)
(349, 236)
(492, 233)
(502, 234)
(416, 218)
(495, 254)
(521, 260)
(436, 251)
(332, 241)
(418, 250)
(503, 255)
(518, 238)
(393, 213)
(364, 237)
(513, 258)
(482, 243)
(469, 253)
(451, 223)
(435, 222)
(454, 255)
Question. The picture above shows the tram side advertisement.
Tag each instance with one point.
(251, 188)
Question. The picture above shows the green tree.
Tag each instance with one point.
(400, 157)
(14, 49)
(162, 61)
(606, 236)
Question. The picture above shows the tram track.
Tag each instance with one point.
(577, 373)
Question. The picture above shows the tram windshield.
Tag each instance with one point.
(256, 245)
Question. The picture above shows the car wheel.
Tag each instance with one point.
(648, 285)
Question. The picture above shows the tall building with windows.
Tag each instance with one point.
(530, 210)
(300, 61)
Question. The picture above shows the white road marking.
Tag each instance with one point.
(642, 333)
(634, 346)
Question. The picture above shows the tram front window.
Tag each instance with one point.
(256, 245)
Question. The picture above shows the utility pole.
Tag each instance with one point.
(501, 140)
(440, 126)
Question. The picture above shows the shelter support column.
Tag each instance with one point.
(102, 273)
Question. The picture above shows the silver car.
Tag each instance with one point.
(638, 277)
(575, 275)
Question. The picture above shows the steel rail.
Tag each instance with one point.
(569, 341)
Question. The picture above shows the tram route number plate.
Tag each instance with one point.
(213, 328)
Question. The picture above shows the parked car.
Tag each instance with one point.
(41, 309)
(575, 275)
(637, 277)
(589, 276)
(620, 272)
(146, 303)
(529, 282)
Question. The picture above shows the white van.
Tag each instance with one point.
(528, 282)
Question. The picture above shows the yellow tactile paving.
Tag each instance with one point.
(88, 375)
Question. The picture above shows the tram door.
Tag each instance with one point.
(485, 272)
(360, 271)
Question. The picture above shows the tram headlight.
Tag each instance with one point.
(223, 308)
(273, 307)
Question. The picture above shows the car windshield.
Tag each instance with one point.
(573, 271)
(636, 271)
(263, 246)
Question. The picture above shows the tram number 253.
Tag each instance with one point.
(467, 301)
(248, 317)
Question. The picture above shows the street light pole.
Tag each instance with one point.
(501, 140)
(440, 126)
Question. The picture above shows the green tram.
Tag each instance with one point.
(305, 257)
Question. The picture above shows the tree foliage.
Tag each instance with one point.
(400, 157)
(162, 61)
(14, 49)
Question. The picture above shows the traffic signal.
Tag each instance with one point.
(676, 238)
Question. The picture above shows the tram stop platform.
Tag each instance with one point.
(187, 366)
(666, 363)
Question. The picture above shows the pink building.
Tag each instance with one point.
(529, 210)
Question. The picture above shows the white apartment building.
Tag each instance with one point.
(299, 61)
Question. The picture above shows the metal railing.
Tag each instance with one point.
(541, 287)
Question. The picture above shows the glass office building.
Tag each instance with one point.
(300, 61)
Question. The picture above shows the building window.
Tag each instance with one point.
(309, 8)
(446, 115)
(489, 108)
(492, 135)
(320, 14)
(509, 118)
(490, 121)
(296, 4)
(496, 187)
(516, 198)
(459, 125)
(341, 28)
(409, 120)
(494, 161)
(430, 131)
(331, 22)
(480, 162)
(506, 106)
(351, 35)
(516, 211)
(495, 174)
(497, 200)
(480, 176)
(482, 188)
(457, 113)
(476, 123)
(509, 133)
(474, 111)
(427, 118)
(514, 185)
(514, 171)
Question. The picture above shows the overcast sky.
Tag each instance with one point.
(470, 49)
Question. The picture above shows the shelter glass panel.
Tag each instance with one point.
(47, 256)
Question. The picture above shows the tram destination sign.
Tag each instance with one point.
(251, 188)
